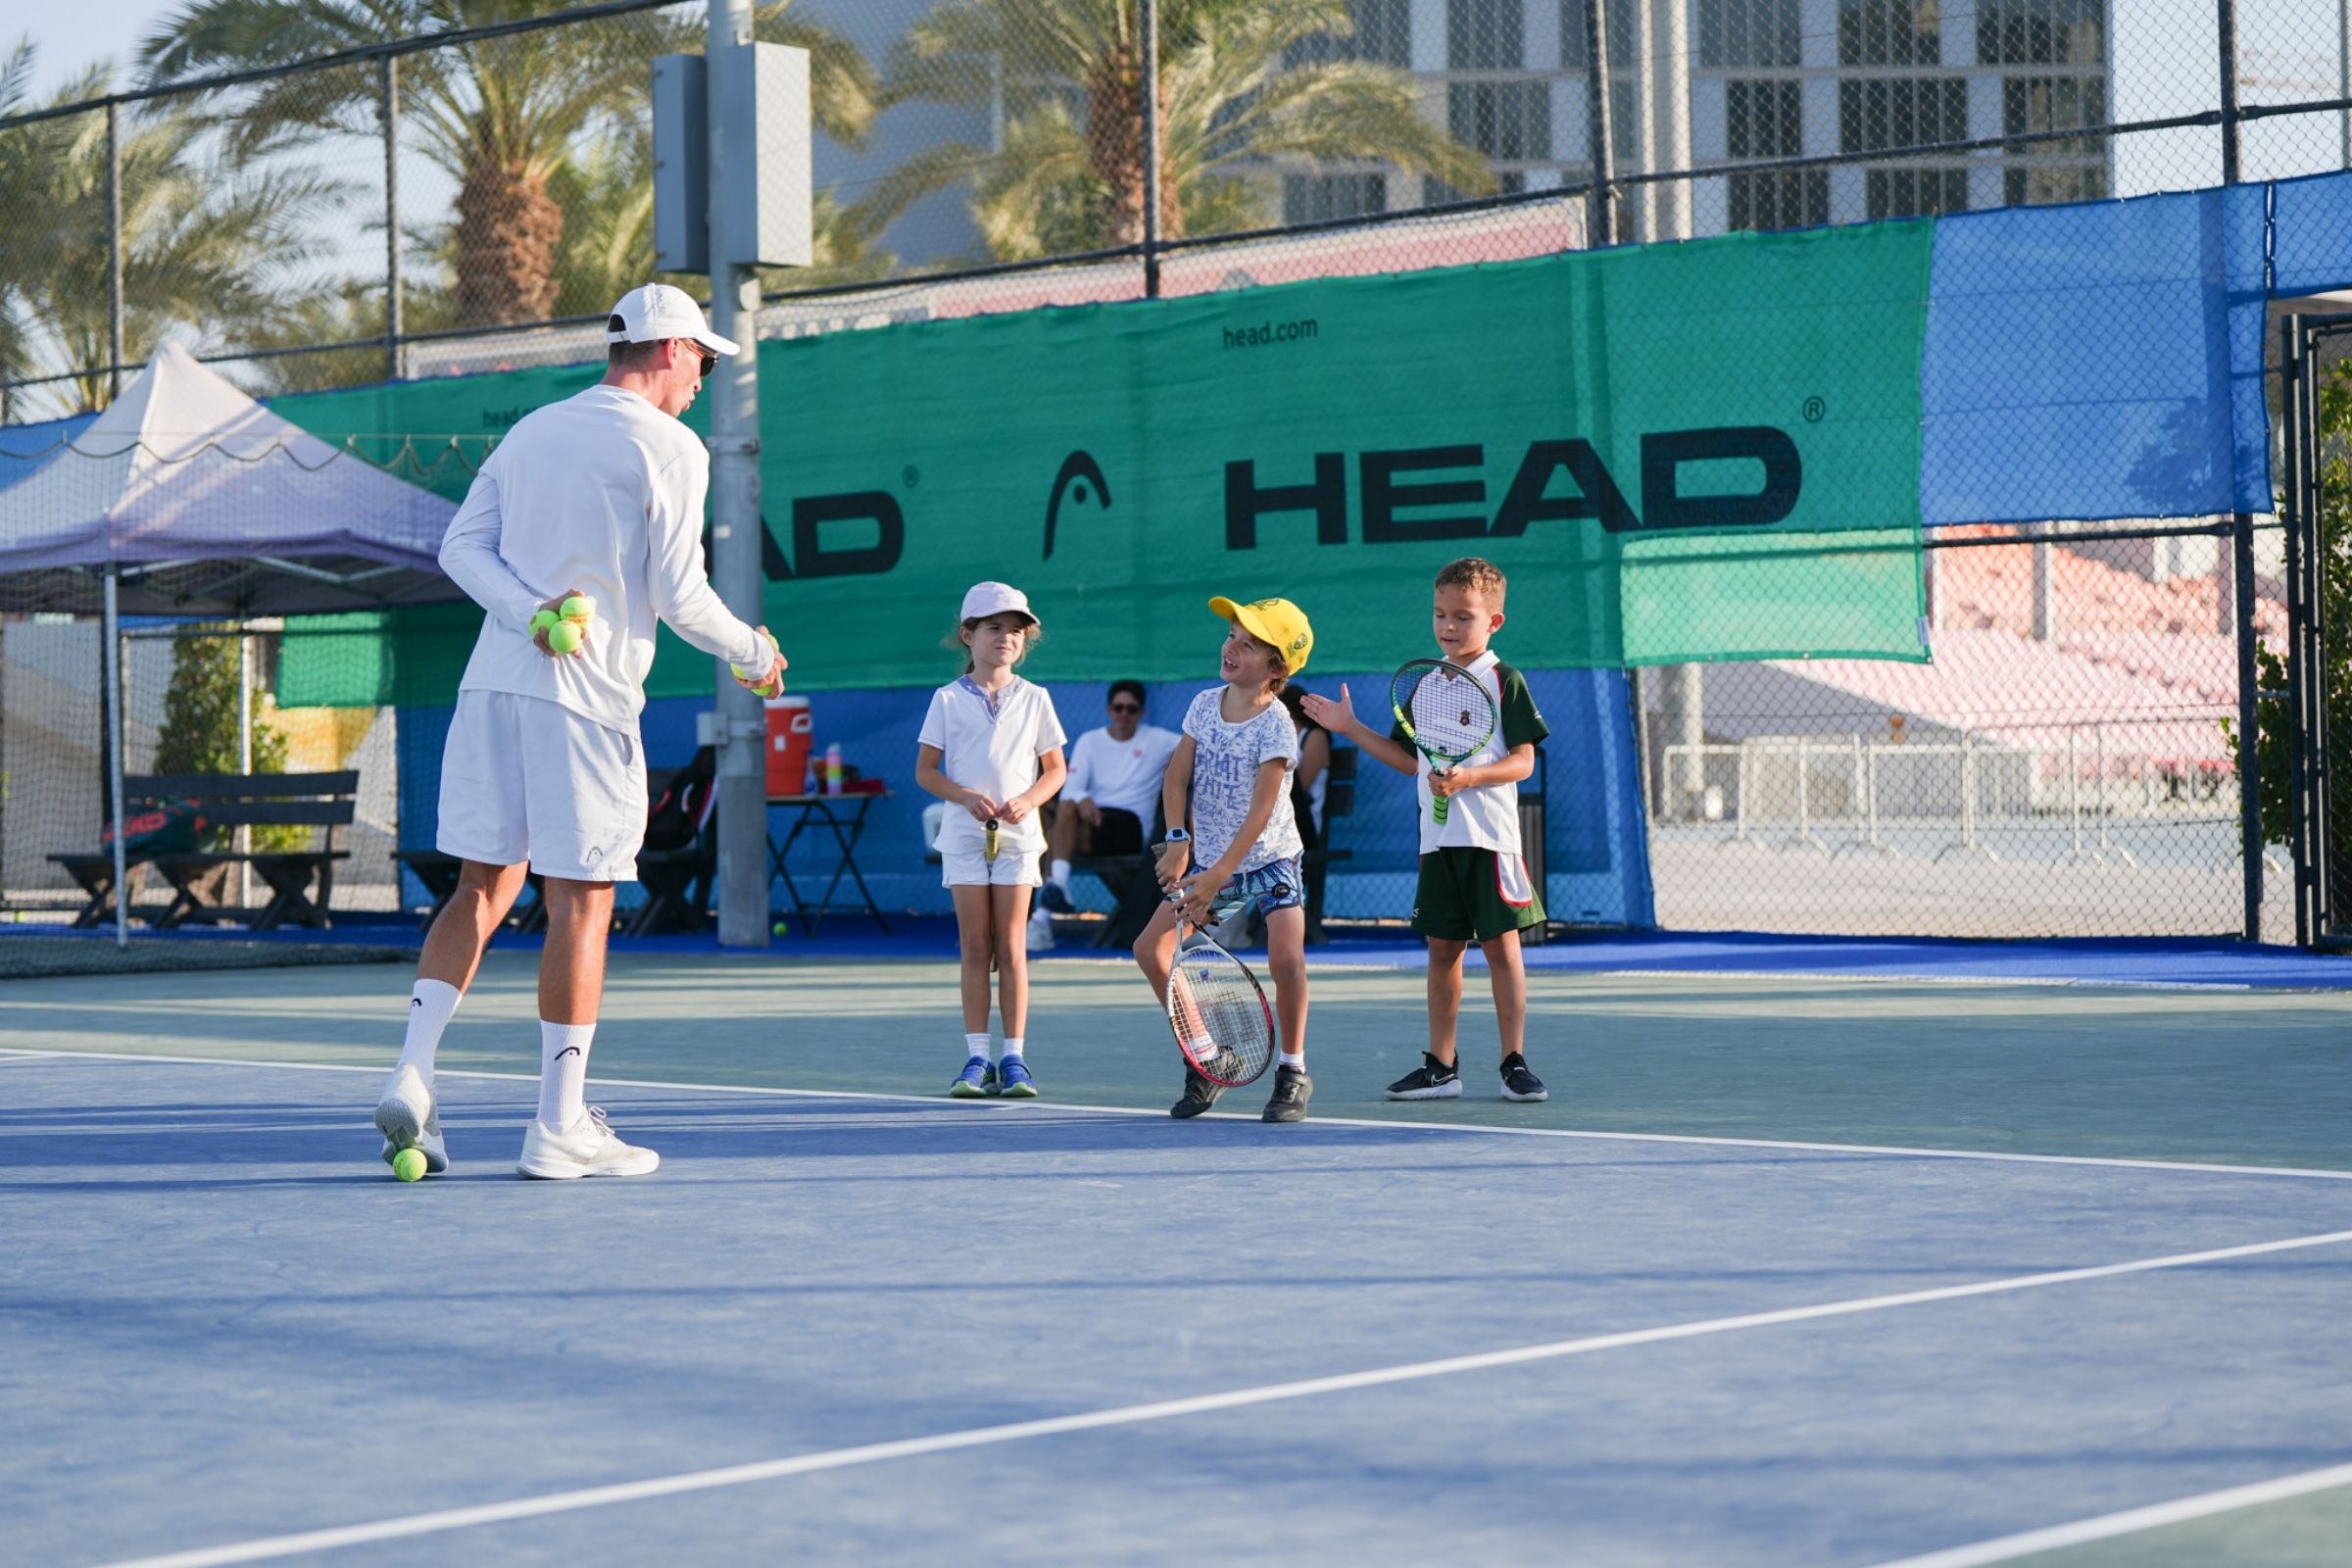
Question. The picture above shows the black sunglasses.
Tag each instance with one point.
(1126, 708)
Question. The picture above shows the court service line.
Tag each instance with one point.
(669, 1486)
(2130, 1521)
(1396, 1125)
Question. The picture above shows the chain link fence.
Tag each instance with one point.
(341, 199)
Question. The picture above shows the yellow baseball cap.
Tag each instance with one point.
(1277, 622)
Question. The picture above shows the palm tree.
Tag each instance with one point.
(205, 247)
(504, 118)
(1240, 85)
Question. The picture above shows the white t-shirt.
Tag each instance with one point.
(1226, 758)
(997, 751)
(602, 492)
(1121, 775)
(1487, 817)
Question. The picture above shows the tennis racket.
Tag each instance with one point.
(988, 842)
(1448, 715)
(1217, 1013)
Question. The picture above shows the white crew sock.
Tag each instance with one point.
(431, 1005)
(1061, 875)
(1296, 1060)
(976, 1046)
(1013, 1045)
(563, 1072)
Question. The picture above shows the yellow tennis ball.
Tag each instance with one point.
(409, 1164)
(564, 638)
(579, 606)
(545, 621)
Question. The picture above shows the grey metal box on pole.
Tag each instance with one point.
(682, 163)
(767, 183)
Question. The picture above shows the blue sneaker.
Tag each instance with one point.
(977, 1080)
(1013, 1081)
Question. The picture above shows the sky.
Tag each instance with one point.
(71, 36)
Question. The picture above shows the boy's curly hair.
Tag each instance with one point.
(1477, 573)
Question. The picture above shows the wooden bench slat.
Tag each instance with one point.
(238, 786)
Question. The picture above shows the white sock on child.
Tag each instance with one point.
(563, 1072)
(1296, 1060)
(1013, 1045)
(1061, 875)
(431, 1005)
(976, 1046)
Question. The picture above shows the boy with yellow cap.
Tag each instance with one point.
(1230, 780)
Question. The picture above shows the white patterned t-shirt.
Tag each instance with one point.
(1226, 758)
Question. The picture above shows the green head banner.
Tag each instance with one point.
(1704, 451)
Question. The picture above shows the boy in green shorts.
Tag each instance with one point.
(1474, 884)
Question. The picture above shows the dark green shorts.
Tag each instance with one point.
(1471, 894)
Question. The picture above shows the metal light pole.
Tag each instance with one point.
(1601, 224)
(1146, 26)
(735, 525)
(388, 109)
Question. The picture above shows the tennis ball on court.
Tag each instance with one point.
(563, 638)
(544, 620)
(579, 606)
(779, 929)
(409, 1164)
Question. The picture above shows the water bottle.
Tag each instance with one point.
(833, 769)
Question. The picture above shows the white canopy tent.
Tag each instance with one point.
(188, 498)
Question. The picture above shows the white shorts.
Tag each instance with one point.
(969, 868)
(526, 779)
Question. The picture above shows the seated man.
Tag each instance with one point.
(1107, 804)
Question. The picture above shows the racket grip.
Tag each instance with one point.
(988, 845)
(1436, 808)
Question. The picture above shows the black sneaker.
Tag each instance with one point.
(1432, 1080)
(1293, 1088)
(1056, 898)
(1518, 1082)
(1198, 1093)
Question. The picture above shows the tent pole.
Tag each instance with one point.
(245, 756)
(113, 675)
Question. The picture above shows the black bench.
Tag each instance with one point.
(230, 800)
(679, 883)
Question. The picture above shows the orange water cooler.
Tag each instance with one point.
(788, 736)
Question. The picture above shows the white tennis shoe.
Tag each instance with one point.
(589, 1146)
(408, 1118)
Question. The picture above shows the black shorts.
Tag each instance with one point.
(1119, 833)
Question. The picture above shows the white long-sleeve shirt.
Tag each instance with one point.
(601, 494)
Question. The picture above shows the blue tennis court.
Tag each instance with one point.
(853, 1321)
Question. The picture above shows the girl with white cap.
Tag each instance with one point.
(991, 745)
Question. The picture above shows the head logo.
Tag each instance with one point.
(1078, 471)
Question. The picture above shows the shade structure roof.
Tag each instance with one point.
(206, 503)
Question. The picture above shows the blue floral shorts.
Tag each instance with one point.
(1276, 885)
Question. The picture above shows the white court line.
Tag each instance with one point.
(1036, 1107)
(2132, 1520)
(1161, 1410)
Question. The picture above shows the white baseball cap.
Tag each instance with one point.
(658, 311)
(988, 599)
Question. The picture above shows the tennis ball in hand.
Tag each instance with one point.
(564, 638)
(579, 606)
(409, 1164)
(545, 621)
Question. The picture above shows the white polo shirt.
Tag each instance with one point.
(1121, 775)
(995, 751)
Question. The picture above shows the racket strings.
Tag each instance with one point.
(1451, 712)
(1220, 1016)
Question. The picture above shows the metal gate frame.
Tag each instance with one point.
(2318, 919)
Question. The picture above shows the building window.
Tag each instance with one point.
(1510, 121)
(1880, 113)
(2032, 104)
(1383, 35)
(1913, 192)
(1789, 198)
(1435, 192)
(1574, 52)
(2041, 32)
(1763, 118)
(1485, 35)
(1735, 33)
(1321, 198)
(2038, 187)
(1889, 33)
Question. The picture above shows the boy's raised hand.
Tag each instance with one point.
(1337, 716)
